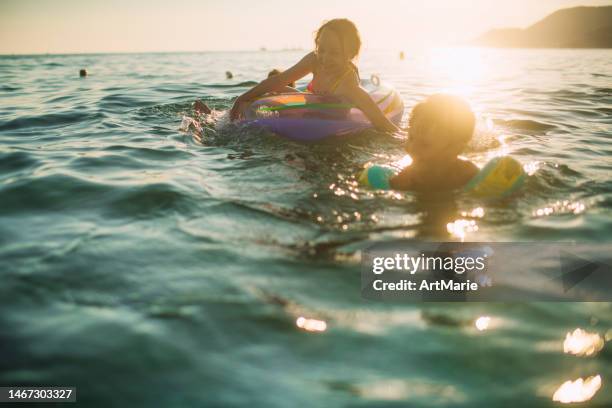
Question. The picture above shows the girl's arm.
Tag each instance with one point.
(363, 101)
(275, 83)
(289, 89)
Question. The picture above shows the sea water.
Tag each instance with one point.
(151, 263)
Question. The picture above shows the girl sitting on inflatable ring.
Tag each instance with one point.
(337, 43)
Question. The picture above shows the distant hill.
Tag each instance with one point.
(578, 27)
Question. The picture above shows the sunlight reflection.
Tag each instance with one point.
(477, 212)
(560, 207)
(400, 389)
(460, 228)
(578, 391)
(531, 167)
(582, 343)
(311, 325)
(404, 162)
(482, 323)
(460, 69)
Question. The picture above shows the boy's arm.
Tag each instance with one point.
(468, 170)
(275, 83)
(363, 101)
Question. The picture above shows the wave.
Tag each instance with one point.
(8, 88)
(603, 91)
(120, 100)
(238, 85)
(160, 154)
(604, 110)
(15, 161)
(525, 124)
(149, 200)
(550, 179)
(51, 120)
(53, 192)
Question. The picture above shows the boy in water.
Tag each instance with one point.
(439, 130)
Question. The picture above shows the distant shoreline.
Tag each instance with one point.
(574, 28)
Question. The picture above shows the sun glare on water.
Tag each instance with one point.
(459, 70)
(579, 390)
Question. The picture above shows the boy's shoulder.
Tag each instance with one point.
(403, 180)
(465, 170)
(467, 166)
(458, 175)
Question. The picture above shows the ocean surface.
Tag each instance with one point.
(152, 257)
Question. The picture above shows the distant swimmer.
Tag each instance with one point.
(229, 75)
(83, 73)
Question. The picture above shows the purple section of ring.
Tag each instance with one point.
(312, 129)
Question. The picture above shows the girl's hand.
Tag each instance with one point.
(238, 108)
(364, 101)
(274, 84)
(403, 132)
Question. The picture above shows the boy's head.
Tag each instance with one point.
(276, 72)
(439, 127)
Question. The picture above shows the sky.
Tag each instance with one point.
(88, 26)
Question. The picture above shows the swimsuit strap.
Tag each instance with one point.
(310, 86)
(340, 78)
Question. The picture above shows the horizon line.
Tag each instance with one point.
(287, 50)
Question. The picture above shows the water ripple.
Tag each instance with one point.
(52, 120)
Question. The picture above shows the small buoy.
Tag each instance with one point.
(83, 72)
(229, 75)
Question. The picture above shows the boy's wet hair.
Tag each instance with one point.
(276, 72)
(347, 32)
(451, 114)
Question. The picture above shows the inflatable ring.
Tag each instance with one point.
(307, 117)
